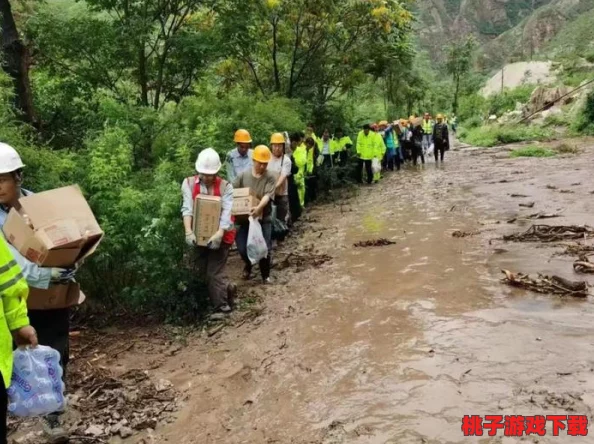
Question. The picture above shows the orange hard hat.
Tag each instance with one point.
(277, 138)
(262, 154)
(242, 136)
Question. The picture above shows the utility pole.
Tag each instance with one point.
(502, 72)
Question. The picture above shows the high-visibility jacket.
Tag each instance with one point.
(380, 146)
(341, 144)
(428, 126)
(300, 156)
(366, 145)
(13, 292)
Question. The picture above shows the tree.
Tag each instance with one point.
(309, 49)
(16, 63)
(458, 63)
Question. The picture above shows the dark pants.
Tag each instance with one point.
(241, 241)
(53, 327)
(440, 149)
(367, 164)
(418, 152)
(282, 207)
(327, 163)
(3, 411)
(343, 157)
(311, 189)
(210, 265)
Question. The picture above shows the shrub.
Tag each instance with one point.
(506, 100)
(565, 148)
(532, 151)
(487, 136)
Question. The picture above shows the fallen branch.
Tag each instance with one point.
(546, 284)
(374, 243)
(583, 265)
(460, 233)
(549, 233)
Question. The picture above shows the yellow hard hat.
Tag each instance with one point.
(262, 154)
(383, 122)
(440, 116)
(242, 136)
(277, 138)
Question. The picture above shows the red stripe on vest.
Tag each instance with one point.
(229, 236)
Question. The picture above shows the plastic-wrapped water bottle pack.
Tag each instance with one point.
(36, 388)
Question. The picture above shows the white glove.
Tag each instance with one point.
(62, 274)
(214, 243)
(191, 239)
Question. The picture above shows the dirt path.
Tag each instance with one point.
(396, 344)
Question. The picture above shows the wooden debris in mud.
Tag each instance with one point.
(460, 233)
(546, 284)
(583, 265)
(577, 250)
(303, 260)
(527, 205)
(373, 243)
(518, 195)
(551, 233)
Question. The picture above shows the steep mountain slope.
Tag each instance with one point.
(507, 30)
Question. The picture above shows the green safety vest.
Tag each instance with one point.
(366, 145)
(13, 293)
(340, 144)
(428, 126)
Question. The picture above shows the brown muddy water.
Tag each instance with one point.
(396, 344)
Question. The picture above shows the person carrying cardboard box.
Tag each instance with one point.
(262, 185)
(52, 326)
(210, 256)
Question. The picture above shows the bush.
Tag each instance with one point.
(487, 136)
(532, 151)
(565, 148)
(473, 122)
(506, 101)
(584, 123)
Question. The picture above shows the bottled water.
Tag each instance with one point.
(36, 388)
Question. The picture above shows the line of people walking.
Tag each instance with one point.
(284, 179)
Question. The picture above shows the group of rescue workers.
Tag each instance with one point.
(284, 180)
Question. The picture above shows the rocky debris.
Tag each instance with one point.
(374, 243)
(302, 261)
(546, 97)
(550, 233)
(460, 233)
(545, 284)
(110, 405)
(583, 265)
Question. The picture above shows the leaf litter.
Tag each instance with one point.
(546, 284)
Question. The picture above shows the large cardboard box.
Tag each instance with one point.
(207, 215)
(243, 202)
(54, 228)
(56, 296)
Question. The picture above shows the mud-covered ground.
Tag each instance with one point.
(395, 344)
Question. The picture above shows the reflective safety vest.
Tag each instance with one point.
(339, 145)
(229, 236)
(13, 302)
(300, 156)
(380, 146)
(428, 126)
(366, 145)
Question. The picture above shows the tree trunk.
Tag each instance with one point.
(16, 63)
(277, 82)
(456, 92)
(142, 77)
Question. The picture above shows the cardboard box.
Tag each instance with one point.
(54, 228)
(207, 215)
(243, 202)
(56, 296)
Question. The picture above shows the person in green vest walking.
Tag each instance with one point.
(340, 147)
(427, 126)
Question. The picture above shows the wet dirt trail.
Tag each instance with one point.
(396, 344)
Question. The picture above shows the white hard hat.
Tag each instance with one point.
(208, 162)
(9, 159)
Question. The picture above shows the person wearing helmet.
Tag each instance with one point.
(262, 184)
(211, 260)
(427, 126)
(311, 170)
(280, 166)
(239, 159)
(365, 152)
(52, 326)
(441, 138)
(417, 141)
(380, 150)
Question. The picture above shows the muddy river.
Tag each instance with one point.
(396, 344)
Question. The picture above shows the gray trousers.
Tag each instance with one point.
(427, 141)
(210, 265)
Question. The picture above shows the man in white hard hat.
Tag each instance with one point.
(52, 326)
(211, 260)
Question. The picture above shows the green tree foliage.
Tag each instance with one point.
(458, 64)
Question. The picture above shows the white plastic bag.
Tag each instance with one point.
(320, 159)
(36, 388)
(430, 150)
(256, 244)
(376, 166)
